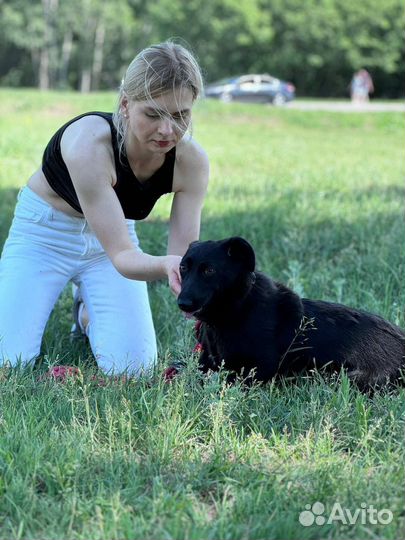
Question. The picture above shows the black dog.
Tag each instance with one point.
(250, 322)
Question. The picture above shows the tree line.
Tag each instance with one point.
(316, 44)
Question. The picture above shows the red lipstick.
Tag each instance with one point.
(162, 144)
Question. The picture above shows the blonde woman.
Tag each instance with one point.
(74, 221)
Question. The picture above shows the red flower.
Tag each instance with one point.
(61, 373)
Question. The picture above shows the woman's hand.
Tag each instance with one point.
(173, 273)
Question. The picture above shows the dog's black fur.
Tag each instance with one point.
(250, 322)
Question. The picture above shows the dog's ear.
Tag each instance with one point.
(194, 243)
(239, 249)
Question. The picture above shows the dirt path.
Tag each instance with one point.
(346, 106)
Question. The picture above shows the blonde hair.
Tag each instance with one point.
(155, 70)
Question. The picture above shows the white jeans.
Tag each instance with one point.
(45, 250)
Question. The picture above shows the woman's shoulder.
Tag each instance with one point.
(192, 166)
(85, 134)
(91, 124)
(190, 154)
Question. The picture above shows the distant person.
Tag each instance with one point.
(361, 86)
(74, 221)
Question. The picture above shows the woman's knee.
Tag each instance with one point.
(132, 361)
(14, 352)
(133, 351)
(120, 328)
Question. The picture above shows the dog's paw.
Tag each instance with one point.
(170, 373)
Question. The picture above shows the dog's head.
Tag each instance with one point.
(215, 274)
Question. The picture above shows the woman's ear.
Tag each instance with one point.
(124, 106)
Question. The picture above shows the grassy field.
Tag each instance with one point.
(321, 197)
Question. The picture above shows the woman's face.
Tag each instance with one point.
(158, 124)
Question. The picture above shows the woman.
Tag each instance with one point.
(361, 86)
(74, 221)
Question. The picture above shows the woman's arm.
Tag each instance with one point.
(87, 152)
(190, 186)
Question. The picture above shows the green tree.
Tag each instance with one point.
(227, 35)
(58, 44)
(317, 44)
(320, 43)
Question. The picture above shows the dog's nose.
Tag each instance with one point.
(185, 304)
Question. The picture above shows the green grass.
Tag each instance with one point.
(321, 197)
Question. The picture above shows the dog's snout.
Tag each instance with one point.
(185, 304)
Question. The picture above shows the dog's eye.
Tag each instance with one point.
(209, 271)
(182, 268)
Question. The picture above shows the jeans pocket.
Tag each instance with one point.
(30, 215)
(94, 246)
(91, 244)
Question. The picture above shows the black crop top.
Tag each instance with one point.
(137, 198)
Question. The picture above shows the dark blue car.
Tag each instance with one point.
(253, 88)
